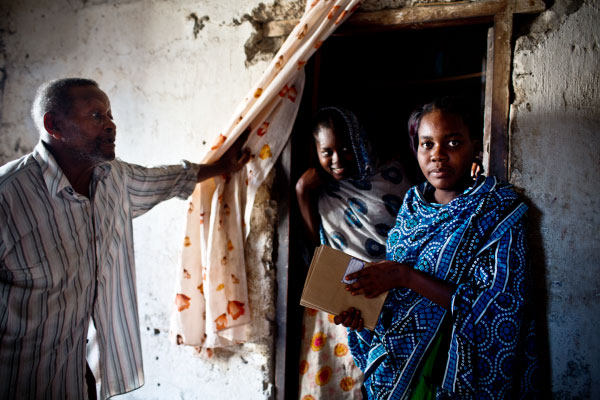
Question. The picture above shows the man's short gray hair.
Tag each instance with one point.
(54, 96)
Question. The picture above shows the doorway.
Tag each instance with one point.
(382, 77)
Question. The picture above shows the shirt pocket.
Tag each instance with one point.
(28, 263)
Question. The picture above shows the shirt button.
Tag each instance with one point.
(69, 190)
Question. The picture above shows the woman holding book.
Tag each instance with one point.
(348, 202)
(457, 322)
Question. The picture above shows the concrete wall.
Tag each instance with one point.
(555, 143)
(175, 69)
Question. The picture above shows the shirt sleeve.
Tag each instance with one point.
(149, 186)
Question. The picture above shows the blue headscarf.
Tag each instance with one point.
(361, 147)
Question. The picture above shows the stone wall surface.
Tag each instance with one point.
(555, 155)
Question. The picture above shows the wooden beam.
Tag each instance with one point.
(425, 14)
(529, 6)
(421, 15)
(282, 179)
(498, 145)
(487, 110)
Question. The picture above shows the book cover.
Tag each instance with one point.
(325, 286)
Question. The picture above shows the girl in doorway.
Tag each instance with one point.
(456, 323)
(350, 203)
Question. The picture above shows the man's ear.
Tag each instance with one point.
(51, 124)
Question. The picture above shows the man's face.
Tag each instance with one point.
(88, 131)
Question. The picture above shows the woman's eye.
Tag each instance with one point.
(453, 143)
(426, 145)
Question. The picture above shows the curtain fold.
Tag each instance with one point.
(211, 301)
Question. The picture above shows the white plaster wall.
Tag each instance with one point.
(555, 157)
(170, 92)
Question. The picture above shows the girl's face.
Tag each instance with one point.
(335, 154)
(445, 154)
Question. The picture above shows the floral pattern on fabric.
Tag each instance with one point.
(327, 371)
(215, 310)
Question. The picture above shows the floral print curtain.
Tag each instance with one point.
(211, 302)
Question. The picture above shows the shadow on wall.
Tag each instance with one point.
(537, 259)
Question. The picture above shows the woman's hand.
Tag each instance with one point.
(379, 277)
(350, 319)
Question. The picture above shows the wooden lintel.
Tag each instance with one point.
(426, 14)
(430, 15)
(498, 145)
(529, 6)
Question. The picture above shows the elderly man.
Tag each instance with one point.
(66, 247)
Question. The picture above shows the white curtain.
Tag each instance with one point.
(211, 303)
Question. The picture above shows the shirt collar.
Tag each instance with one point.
(54, 178)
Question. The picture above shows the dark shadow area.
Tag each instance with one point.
(382, 77)
(540, 299)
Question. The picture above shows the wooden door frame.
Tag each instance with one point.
(499, 13)
(429, 15)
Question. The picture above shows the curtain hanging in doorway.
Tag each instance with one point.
(211, 304)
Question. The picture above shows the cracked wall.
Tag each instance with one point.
(555, 155)
(262, 45)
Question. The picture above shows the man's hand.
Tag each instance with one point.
(378, 277)
(232, 160)
(235, 157)
(350, 319)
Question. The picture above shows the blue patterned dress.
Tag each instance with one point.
(477, 242)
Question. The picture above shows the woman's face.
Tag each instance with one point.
(335, 154)
(445, 154)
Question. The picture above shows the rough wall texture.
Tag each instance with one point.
(555, 143)
(174, 71)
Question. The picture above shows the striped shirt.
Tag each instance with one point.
(65, 259)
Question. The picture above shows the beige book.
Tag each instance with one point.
(325, 289)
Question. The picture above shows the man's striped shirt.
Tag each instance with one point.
(65, 259)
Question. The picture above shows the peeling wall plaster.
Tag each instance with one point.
(259, 46)
(262, 47)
